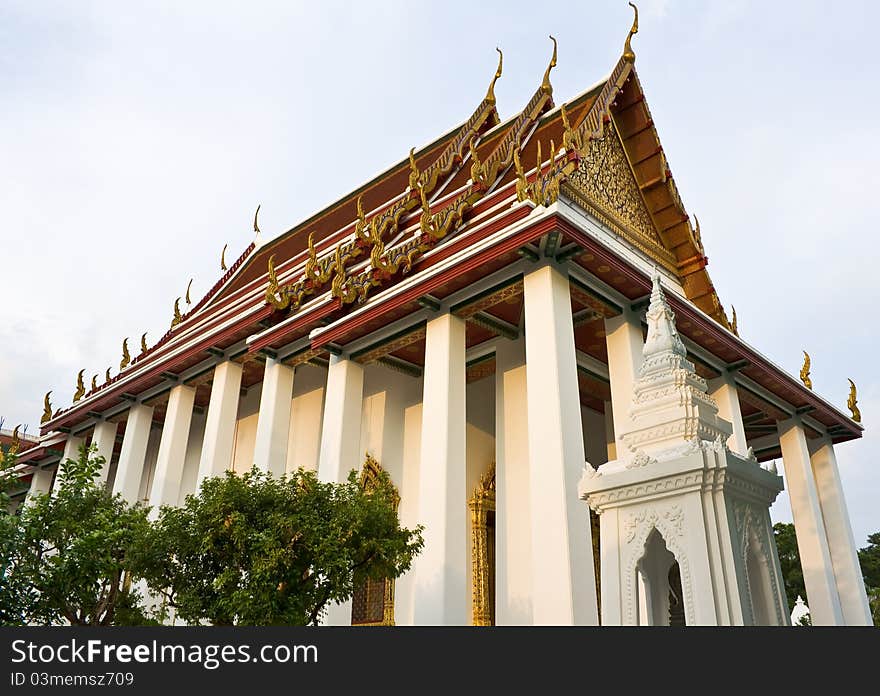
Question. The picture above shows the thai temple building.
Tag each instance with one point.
(517, 324)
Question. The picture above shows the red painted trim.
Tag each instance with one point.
(412, 293)
(301, 322)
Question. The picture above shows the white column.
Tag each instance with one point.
(623, 339)
(273, 423)
(809, 526)
(41, 483)
(172, 447)
(513, 540)
(341, 431)
(104, 438)
(340, 441)
(219, 438)
(723, 390)
(130, 467)
(563, 583)
(844, 556)
(441, 567)
(71, 448)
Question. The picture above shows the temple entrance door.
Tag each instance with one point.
(372, 603)
(482, 507)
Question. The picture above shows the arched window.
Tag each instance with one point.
(372, 603)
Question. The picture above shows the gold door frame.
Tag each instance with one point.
(481, 504)
(371, 473)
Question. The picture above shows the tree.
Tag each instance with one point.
(71, 551)
(790, 562)
(14, 596)
(869, 559)
(253, 549)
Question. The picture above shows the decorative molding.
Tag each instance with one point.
(480, 505)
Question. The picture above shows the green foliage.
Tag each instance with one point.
(790, 562)
(258, 550)
(869, 559)
(14, 596)
(68, 554)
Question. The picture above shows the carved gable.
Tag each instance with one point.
(605, 186)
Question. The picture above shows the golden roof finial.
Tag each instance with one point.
(851, 403)
(126, 358)
(477, 173)
(805, 372)
(490, 93)
(188, 287)
(47, 409)
(144, 342)
(414, 173)
(256, 226)
(223, 258)
(107, 376)
(177, 318)
(628, 54)
(545, 85)
(16, 440)
(80, 387)
(733, 326)
(94, 386)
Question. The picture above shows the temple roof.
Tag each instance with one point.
(600, 150)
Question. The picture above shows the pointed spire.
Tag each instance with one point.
(490, 93)
(546, 87)
(662, 334)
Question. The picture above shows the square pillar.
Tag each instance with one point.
(563, 580)
(71, 448)
(809, 525)
(273, 423)
(172, 447)
(341, 430)
(513, 533)
(623, 340)
(723, 390)
(441, 568)
(104, 438)
(340, 441)
(130, 467)
(844, 555)
(219, 439)
(41, 483)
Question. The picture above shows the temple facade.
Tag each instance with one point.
(516, 323)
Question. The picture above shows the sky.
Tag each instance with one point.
(136, 139)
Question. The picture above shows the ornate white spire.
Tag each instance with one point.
(671, 407)
(662, 334)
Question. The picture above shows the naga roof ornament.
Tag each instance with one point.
(177, 318)
(851, 403)
(805, 372)
(126, 357)
(223, 258)
(256, 224)
(144, 342)
(188, 288)
(47, 409)
(80, 387)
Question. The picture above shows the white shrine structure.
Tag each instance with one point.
(473, 321)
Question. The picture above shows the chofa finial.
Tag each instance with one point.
(47, 409)
(628, 53)
(80, 387)
(223, 258)
(188, 287)
(256, 225)
(144, 342)
(126, 358)
(851, 403)
(805, 372)
(490, 93)
(545, 85)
